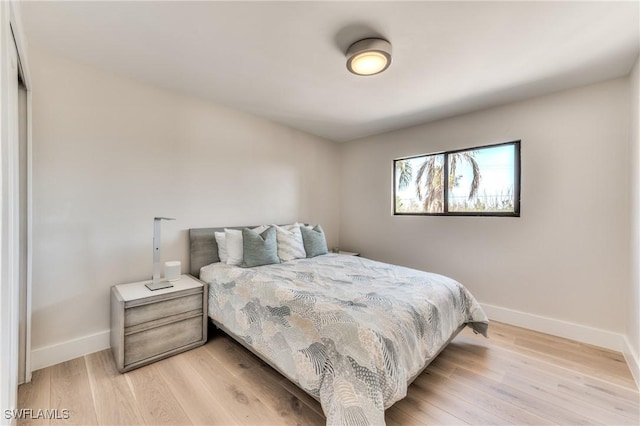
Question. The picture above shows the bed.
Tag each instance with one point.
(351, 332)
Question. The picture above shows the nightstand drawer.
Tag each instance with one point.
(155, 341)
(152, 311)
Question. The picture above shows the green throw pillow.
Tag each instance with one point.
(314, 241)
(259, 249)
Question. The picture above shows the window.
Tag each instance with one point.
(482, 181)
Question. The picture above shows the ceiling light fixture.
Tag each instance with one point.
(369, 56)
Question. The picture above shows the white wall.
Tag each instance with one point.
(566, 258)
(111, 153)
(633, 308)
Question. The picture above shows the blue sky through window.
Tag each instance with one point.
(496, 170)
(495, 191)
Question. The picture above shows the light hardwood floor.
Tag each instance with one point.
(516, 376)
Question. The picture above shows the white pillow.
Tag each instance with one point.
(290, 244)
(221, 240)
(234, 244)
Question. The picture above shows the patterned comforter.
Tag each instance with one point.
(348, 330)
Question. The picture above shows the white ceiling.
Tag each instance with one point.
(285, 60)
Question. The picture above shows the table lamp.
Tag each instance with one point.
(156, 284)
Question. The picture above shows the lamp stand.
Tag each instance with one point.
(156, 284)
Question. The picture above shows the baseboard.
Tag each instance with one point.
(633, 362)
(64, 351)
(556, 327)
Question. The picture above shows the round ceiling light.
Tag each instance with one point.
(369, 56)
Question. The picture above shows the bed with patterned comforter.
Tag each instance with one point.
(350, 331)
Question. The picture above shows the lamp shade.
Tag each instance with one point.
(369, 56)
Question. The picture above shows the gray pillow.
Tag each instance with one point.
(314, 241)
(259, 249)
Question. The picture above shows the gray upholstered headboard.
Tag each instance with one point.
(203, 249)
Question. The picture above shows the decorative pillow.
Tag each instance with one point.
(290, 244)
(259, 249)
(234, 244)
(221, 240)
(314, 240)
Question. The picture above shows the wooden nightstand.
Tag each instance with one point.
(348, 253)
(150, 325)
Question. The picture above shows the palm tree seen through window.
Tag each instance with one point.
(476, 181)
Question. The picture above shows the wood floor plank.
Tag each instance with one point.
(395, 416)
(240, 361)
(517, 376)
(112, 396)
(452, 357)
(302, 396)
(545, 389)
(467, 412)
(562, 383)
(427, 412)
(154, 397)
(600, 399)
(488, 401)
(605, 369)
(235, 358)
(441, 366)
(496, 333)
(266, 385)
(524, 336)
(241, 402)
(193, 394)
(536, 404)
(614, 365)
(35, 395)
(509, 358)
(70, 390)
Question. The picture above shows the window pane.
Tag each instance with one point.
(482, 180)
(419, 184)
